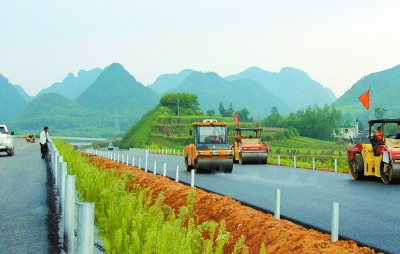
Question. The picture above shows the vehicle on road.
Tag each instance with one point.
(110, 146)
(30, 138)
(248, 147)
(6, 140)
(210, 150)
(375, 158)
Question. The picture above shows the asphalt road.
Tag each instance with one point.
(368, 210)
(25, 218)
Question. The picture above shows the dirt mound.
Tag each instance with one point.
(278, 236)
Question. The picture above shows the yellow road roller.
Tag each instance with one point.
(210, 150)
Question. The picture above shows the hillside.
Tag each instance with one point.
(22, 92)
(384, 90)
(291, 85)
(71, 87)
(212, 89)
(167, 82)
(12, 102)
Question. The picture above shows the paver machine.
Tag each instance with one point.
(248, 147)
(210, 150)
(377, 158)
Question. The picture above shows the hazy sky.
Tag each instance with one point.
(336, 42)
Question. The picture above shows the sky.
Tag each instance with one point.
(335, 42)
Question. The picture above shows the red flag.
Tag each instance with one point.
(235, 115)
(364, 98)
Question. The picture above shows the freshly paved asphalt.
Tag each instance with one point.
(24, 214)
(368, 210)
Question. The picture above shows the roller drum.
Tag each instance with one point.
(253, 158)
(217, 164)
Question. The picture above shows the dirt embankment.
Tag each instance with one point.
(278, 236)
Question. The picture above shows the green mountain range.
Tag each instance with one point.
(107, 108)
(212, 89)
(71, 87)
(12, 101)
(291, 85)
(115, 100)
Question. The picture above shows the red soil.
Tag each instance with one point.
(278, 236)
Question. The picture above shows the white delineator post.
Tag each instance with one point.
(165, 169)
(177, 174)
(277, 213)
(335, 222)
(192, 181)
(69, 218)
(85, 227)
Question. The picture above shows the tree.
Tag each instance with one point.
(181, 103)
(243, 115)
(274, 120)
(380, 113)
(211, 112)
(222, 110)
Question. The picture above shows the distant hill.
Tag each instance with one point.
(384, 93)
(71, 87)
(168, 82)
(212, 89)
(22, 92)
(117, 90)
(291, 85)
(12, 102)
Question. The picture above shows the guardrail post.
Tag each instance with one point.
(127, 159)
(85, 229)
(192, 173)
(277, 213)
(63, 173)
(140, 162)
(165, 169)
(133, 160)
(155, 167)
(58, 180)
(335, 165)
(177, 174)
(147, 156)
(335, 222)
(69, 218)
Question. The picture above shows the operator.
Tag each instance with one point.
(44, 139)
(239, 137)
(379, 135)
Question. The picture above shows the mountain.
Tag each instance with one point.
(22, 92)
(384, 93)
(12, 102)
(71, 87)
(50, 109)
(291, 85)
(117, 90)
(168, 82)
(212, 89)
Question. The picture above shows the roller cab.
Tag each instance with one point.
(248, 147)
(377, 158)
(210, 150)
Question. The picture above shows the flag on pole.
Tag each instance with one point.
(364, 98)
(235, 115)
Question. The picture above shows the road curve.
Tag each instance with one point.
(369, 210)
(27, 223)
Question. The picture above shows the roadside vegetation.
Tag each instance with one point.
(131, 220)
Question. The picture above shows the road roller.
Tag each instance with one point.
(248, 147)
(379, 156)
(210, 150)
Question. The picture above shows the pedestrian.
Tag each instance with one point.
(44, 139)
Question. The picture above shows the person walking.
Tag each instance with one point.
(44, 139)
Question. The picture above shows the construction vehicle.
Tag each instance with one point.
(210, 150)
(248, 147)
(377, 158)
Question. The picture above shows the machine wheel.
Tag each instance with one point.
(11, 152)
(228, 170)
(196, 167)
(240, 158)
(187, 166)
(356, 168)
(387, 173)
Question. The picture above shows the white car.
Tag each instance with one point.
(6, 140)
